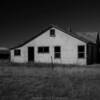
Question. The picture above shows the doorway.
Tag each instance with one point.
(31, 54)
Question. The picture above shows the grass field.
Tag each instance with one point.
(25, 82)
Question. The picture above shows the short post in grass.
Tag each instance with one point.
(52, 76)
(52, 64)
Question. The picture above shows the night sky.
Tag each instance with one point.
(21, 20)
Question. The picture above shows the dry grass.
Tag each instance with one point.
(25, 82)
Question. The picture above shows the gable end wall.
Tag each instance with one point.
(68, 45)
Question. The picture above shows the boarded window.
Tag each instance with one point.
(17, 52)
(43, 49)
(52, 32)
(81, 51)
(57, 52)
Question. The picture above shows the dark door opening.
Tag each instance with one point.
(31, 54)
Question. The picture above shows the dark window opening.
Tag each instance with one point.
(46, 49)
(57, 51)
(40, 49)
(81, 48)
(57, 48)
(43, 49)
(81, 51)
(17, 52)
(57, 55)
(81, 55)
(52, 33)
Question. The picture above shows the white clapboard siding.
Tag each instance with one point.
(68, 44)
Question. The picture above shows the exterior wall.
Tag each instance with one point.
(69, 44)
(18, 59)
(91, 54)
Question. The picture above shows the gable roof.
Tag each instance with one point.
(73, 34)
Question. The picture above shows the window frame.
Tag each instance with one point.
(52, 32)
(43, 49)
(17, 52)
(81, 52)
(58, 52)
(40, 49)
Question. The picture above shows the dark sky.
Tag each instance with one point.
(22, 20)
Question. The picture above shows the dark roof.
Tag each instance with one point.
(73, 34)
(91, 36)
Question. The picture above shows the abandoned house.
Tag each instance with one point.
(54, 45)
